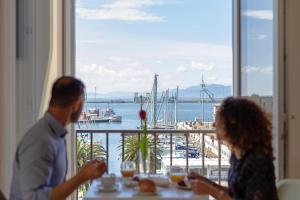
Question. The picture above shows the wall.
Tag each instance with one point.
(32, 59)
(292, 70)
(1, 86)
(8, 92)
(27, 74)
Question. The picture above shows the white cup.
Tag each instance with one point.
(108, 180)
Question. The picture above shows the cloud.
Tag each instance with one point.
(261, 37)
(122, 10)
(250, 69)
(202, 66)
(267, 70)
(264, 70)
(181, 69)
(259, 14)
(186, 61)
(109, 78)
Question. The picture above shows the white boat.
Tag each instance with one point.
(115, 119)
(111, 115)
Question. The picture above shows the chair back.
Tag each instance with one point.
(2, 196)
(289, 189)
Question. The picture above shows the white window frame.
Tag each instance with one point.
(279, 109)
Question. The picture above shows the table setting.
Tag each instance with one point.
(130, 185)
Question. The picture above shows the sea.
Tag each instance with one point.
(130, 120)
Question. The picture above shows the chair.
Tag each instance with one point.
(289, 189)
(2, 196)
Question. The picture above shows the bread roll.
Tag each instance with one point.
(147, 185)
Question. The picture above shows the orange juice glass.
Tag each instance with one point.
(175, 178)
(127, 173)
(128, 168)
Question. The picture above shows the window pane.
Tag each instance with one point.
(257, 48)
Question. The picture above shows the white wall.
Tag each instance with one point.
(8, 89)
(1, 86)
(292, 66)
(32, 59)
(27, 75)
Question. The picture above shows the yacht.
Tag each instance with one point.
(111, 115)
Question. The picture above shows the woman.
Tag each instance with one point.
(246, 129)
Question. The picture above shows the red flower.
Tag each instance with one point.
(143, 115)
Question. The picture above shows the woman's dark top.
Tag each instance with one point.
(252, 178)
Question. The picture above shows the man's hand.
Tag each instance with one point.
(92, 170)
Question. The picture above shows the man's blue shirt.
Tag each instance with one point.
(40, 161)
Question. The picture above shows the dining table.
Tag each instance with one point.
(131, 193)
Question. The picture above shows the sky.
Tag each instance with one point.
(121, 44)
(257, 47)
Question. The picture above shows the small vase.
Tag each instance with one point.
(144, 165)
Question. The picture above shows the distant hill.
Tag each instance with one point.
(219, 91)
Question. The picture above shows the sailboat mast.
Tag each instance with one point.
(176, 108)
(165, 106)
(155, 101)
(202, 97)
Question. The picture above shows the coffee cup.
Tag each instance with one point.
(108, 180)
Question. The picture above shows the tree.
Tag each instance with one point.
(132, 146)
(84, 152)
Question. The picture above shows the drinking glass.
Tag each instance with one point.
(128, 168)
(177, 174)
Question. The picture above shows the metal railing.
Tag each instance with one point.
(155, 133)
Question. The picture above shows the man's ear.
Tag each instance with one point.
(77, 104)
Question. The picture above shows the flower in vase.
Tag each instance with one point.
(144, 137)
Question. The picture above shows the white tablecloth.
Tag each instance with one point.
(124, 193)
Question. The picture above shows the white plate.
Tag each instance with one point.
(183, 187)
(113, 188)
(139, 193)
(161, 181)
(130, 183)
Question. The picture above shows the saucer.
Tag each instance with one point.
(183, 187)
(140, 193)
(130, 183)
(112, 188)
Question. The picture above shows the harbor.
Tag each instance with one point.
(164, 112)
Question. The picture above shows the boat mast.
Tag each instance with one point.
(166, 101)
(155, 101)
(176, 108)
(202, 98)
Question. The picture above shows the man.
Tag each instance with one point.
(41, 160)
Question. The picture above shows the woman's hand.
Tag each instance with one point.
(196, 176)
(200, 187)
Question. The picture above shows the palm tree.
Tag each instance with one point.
(85, 152)
(132, 146)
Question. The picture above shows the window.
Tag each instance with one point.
(129, 53)
(257, 52)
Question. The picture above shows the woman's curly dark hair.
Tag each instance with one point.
(245, 125)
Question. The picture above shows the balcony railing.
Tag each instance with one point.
(211, 153)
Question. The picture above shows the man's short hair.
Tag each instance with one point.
(65, 91)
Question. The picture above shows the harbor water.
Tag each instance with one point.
(130, 120)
